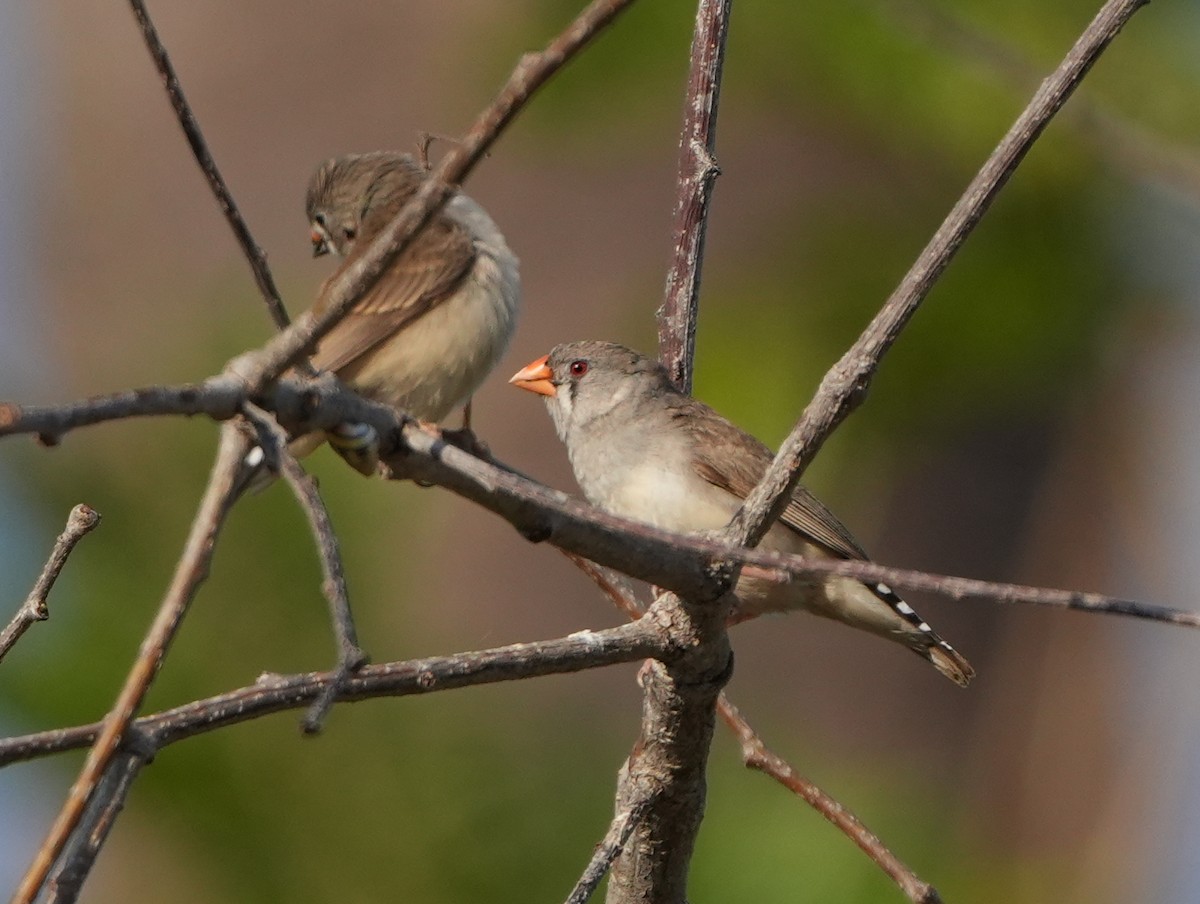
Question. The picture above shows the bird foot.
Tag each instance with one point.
(464, 438)
(358, 445)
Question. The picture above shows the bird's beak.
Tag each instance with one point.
(319, 243)
(535, 377)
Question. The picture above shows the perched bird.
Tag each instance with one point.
(642, 449)
(438, 319)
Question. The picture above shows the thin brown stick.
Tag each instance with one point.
(350, 655)
(190, 572)
(755, 755)
(612, 584)
(81, 521)
(698, 173)
(608, 850)
(204, 159)
(533, 70)
(277, 693)
(845, 387)
(80, 855)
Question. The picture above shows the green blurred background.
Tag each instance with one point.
(1036, 423)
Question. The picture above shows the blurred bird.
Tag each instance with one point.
(642, 449)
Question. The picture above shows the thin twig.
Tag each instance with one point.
(845, 386)
(276, 693)
(191, 130)
(698, 173)
(612, 584)
(341, 292)
(80, 855)
(81, 521)
(190, 572)
(350, 655)
(755, 755)
(608, 850)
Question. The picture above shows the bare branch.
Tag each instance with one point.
(190, 572)
(81, 521)
(531, 72)
(756, 756)
(681, 562)
(607, 851)
(665, 773)
(191, 130)
(698, 172)
(845, 386)
(612, 584)
(80, 854)
(276, 693)
(304, 488)
(220, 398)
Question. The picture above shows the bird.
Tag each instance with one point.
(642, 449)
(438, 319)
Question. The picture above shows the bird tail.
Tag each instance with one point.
(924, 641)
(948, 661)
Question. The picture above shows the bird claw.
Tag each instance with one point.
(464, 438)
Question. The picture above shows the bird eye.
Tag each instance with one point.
(349, 233)
(578, 368)
(319, 219)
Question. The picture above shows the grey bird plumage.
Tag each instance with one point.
(642, 449)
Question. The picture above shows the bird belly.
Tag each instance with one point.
(435, 363)
(661, 496)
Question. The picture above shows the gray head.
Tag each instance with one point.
(587, 382)
(353, 196)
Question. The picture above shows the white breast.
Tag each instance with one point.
(671, 498)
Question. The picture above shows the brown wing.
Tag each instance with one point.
(732, 459)
(422, 277)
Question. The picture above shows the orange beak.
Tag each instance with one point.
(320, 246)
(535, 376)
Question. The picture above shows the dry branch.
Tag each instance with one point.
(276, 693)
(756, 755)
(274, 440)
(663, 782)
(208, 166)
(680, 562)
(81, 521)
(190, 572)
(354, 281)
(608, 850)
(698, 173)
(845, 387)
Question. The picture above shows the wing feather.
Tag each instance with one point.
(730, 458)
(426, 274)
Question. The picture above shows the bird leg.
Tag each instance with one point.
(464, 438)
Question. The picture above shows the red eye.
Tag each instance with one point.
(578, 368)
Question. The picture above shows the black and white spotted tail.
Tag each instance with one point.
(925, 642)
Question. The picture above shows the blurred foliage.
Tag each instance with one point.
(479, 795)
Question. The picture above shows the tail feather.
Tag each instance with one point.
(949, 662)
(926, 643)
